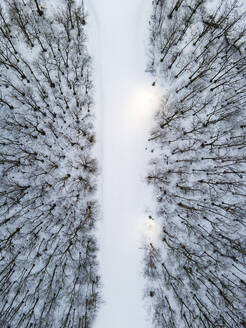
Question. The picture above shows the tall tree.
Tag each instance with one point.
(48, 175)
(196, 273)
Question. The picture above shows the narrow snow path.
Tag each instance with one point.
(125, 102)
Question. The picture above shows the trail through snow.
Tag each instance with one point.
(125, 104)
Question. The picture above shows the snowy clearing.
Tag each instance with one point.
(125, 103)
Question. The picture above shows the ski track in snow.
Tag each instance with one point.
(124, 102)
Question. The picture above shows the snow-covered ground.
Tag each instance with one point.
(125, 103)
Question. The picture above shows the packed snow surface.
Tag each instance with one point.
(125, 105)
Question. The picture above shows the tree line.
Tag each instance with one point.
(48, 173)
(196, 273)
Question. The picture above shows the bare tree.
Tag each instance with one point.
(48, 175)
(198, 278)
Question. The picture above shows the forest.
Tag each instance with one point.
(48, 173)
(196, 274)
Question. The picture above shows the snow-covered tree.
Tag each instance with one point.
(196, 273)
(48, 174)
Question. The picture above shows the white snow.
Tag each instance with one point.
(125, 104)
